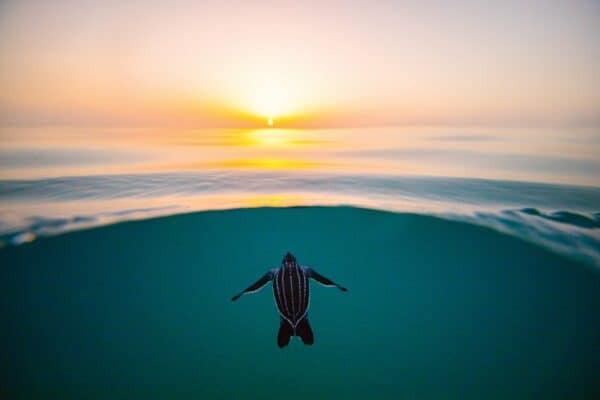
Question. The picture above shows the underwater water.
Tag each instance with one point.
(471, 257)
(435, 309)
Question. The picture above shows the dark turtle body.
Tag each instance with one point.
(291, 290)
(292, 297)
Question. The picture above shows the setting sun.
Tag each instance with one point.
(275, 97)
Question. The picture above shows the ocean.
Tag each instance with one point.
(471, 256)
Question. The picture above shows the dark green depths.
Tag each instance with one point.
(292, 296)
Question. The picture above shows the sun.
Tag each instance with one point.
(268, 99)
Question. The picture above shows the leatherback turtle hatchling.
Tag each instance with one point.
(291, 291)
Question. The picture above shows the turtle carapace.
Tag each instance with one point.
(292, 297)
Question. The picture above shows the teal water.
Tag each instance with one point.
(435, 309)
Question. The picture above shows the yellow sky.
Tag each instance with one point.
(304, 64)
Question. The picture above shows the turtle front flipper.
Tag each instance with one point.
(285, 333)
(311, 273)
(256, 286)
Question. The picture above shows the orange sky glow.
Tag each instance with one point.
(229, 64)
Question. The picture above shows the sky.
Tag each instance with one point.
(304, 64)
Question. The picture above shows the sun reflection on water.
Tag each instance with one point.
(272, 137)
(269, 164)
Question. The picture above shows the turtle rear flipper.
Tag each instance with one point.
(305, 332)
(285, 333)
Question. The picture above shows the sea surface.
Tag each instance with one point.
(471, 255)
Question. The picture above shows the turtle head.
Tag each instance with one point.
(288, 260)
